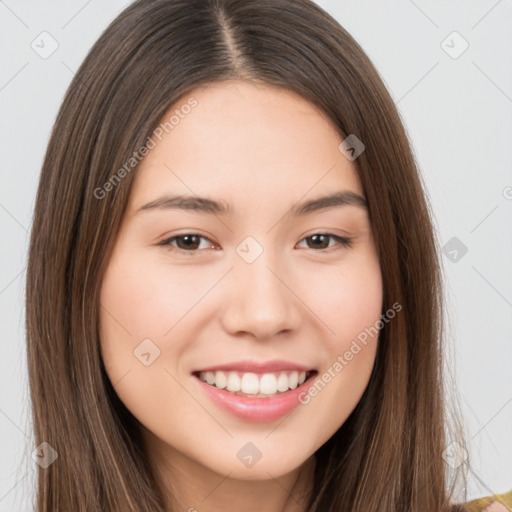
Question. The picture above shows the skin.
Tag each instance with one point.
(262, 150)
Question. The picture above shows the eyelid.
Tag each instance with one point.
(342, 242)
(167, 241)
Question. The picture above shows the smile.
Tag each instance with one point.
(253, 384)
(255, 392)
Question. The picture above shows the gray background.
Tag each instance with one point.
(458, 113)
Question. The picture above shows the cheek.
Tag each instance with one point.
(138, 309)
(349, 302)
(147, 308)
(132, 312)
(359, 304)
(350, 306)
(145, 298)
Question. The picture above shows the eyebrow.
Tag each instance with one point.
(210, 206)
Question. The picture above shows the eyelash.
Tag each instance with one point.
(343, 242)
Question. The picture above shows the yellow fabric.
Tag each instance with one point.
(480, 504)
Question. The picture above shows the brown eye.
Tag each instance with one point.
(321, 241)
(188, 242)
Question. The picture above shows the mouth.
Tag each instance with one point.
(255, 396)
(255, 384)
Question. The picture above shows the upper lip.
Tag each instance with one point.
(257, 366)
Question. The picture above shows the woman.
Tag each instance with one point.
(260, 370)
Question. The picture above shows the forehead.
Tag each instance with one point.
(244, 140)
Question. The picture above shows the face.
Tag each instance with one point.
(255, 292)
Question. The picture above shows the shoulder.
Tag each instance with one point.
(495, 503)
(496, 507)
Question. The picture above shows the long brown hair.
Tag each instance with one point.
(388, 455)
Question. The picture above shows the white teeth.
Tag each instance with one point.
(221, 381)
(293, 380)
(268, 384)
(233, 382)
(254, 384)
(250, 383)
(282, 382)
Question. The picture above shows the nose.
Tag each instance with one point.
(260, 300)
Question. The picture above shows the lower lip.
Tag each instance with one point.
(256, 409)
